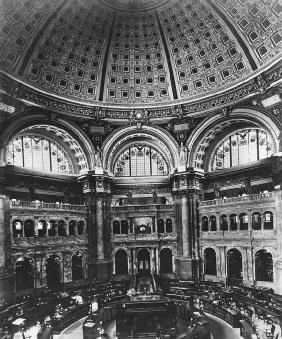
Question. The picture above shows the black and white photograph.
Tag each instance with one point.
(140, 169)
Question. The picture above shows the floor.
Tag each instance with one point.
(219, 328)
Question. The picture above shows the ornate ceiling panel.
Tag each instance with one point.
(204, 53)
(260, 23)
(68, 60)
(137, 70)
(127, 52)
(19, 24)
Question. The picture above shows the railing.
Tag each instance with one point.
(257, 234)
(50, 240)
(252, 197)
(145, 236)
(46, 205)
(137, 208)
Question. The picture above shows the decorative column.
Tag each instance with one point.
(7, 283)
(153, 267)
(185, 187)
(129, 261)
(99, 226)
(185, 228)
(157, 260)
(96, 189)
(277, 218)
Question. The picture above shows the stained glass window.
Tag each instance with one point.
(242, 147)
(140, 160)
(38, 153)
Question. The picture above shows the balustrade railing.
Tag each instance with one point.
(46, 205)
(136, 208)
(243, 198)
(147, 236)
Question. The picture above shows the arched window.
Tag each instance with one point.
(72, 227)
(223, 223)
(205, 224)
(243, 221)
(166, 260)
(29, 228)
(52, 228)
(42, 228)
(168, 225)
(210, 261)
(140, 160)
(62, 227)
(242, 147)
(17, 227)
(124, 227)
(264, 266)
(80, 227)
(24, 274)
(116, 227)
(233, 222)
(161, 226)
(268, 220)
(38, 152)
(213, 223)
(256, 221)
(77, 271)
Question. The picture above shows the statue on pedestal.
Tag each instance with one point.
(182, 158)
(216, 191)
(155, 196)
(98, 161)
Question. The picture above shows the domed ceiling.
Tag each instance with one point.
(127, 52)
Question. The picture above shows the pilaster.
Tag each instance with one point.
(185, 188)
(97, 190)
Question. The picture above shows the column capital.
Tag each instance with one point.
(187, 182)
(96, 183)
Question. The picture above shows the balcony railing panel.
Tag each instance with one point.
(246, 198)
(45, 205)
(139, 237)
(137, 208)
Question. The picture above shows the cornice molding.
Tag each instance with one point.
(255, 86)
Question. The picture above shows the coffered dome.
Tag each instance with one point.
(130, 52)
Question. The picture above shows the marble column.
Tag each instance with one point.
(134, 260)
(2, 230)
(129, 261)
(100, 228)
(153, 268)
(157, 260)
(114, 263)
(278, 226)
(184, 224)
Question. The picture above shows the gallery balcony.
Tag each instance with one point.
(137, 237)
(242, 200)
(142, 208)
(38, 205)
(239, 234)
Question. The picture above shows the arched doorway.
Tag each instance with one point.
(210, 261)
(143, 258)
(234, 264)
(165, 261)
(24, 274)
(77, 271)
(264, 266)
(121, 264)
(53, 272)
